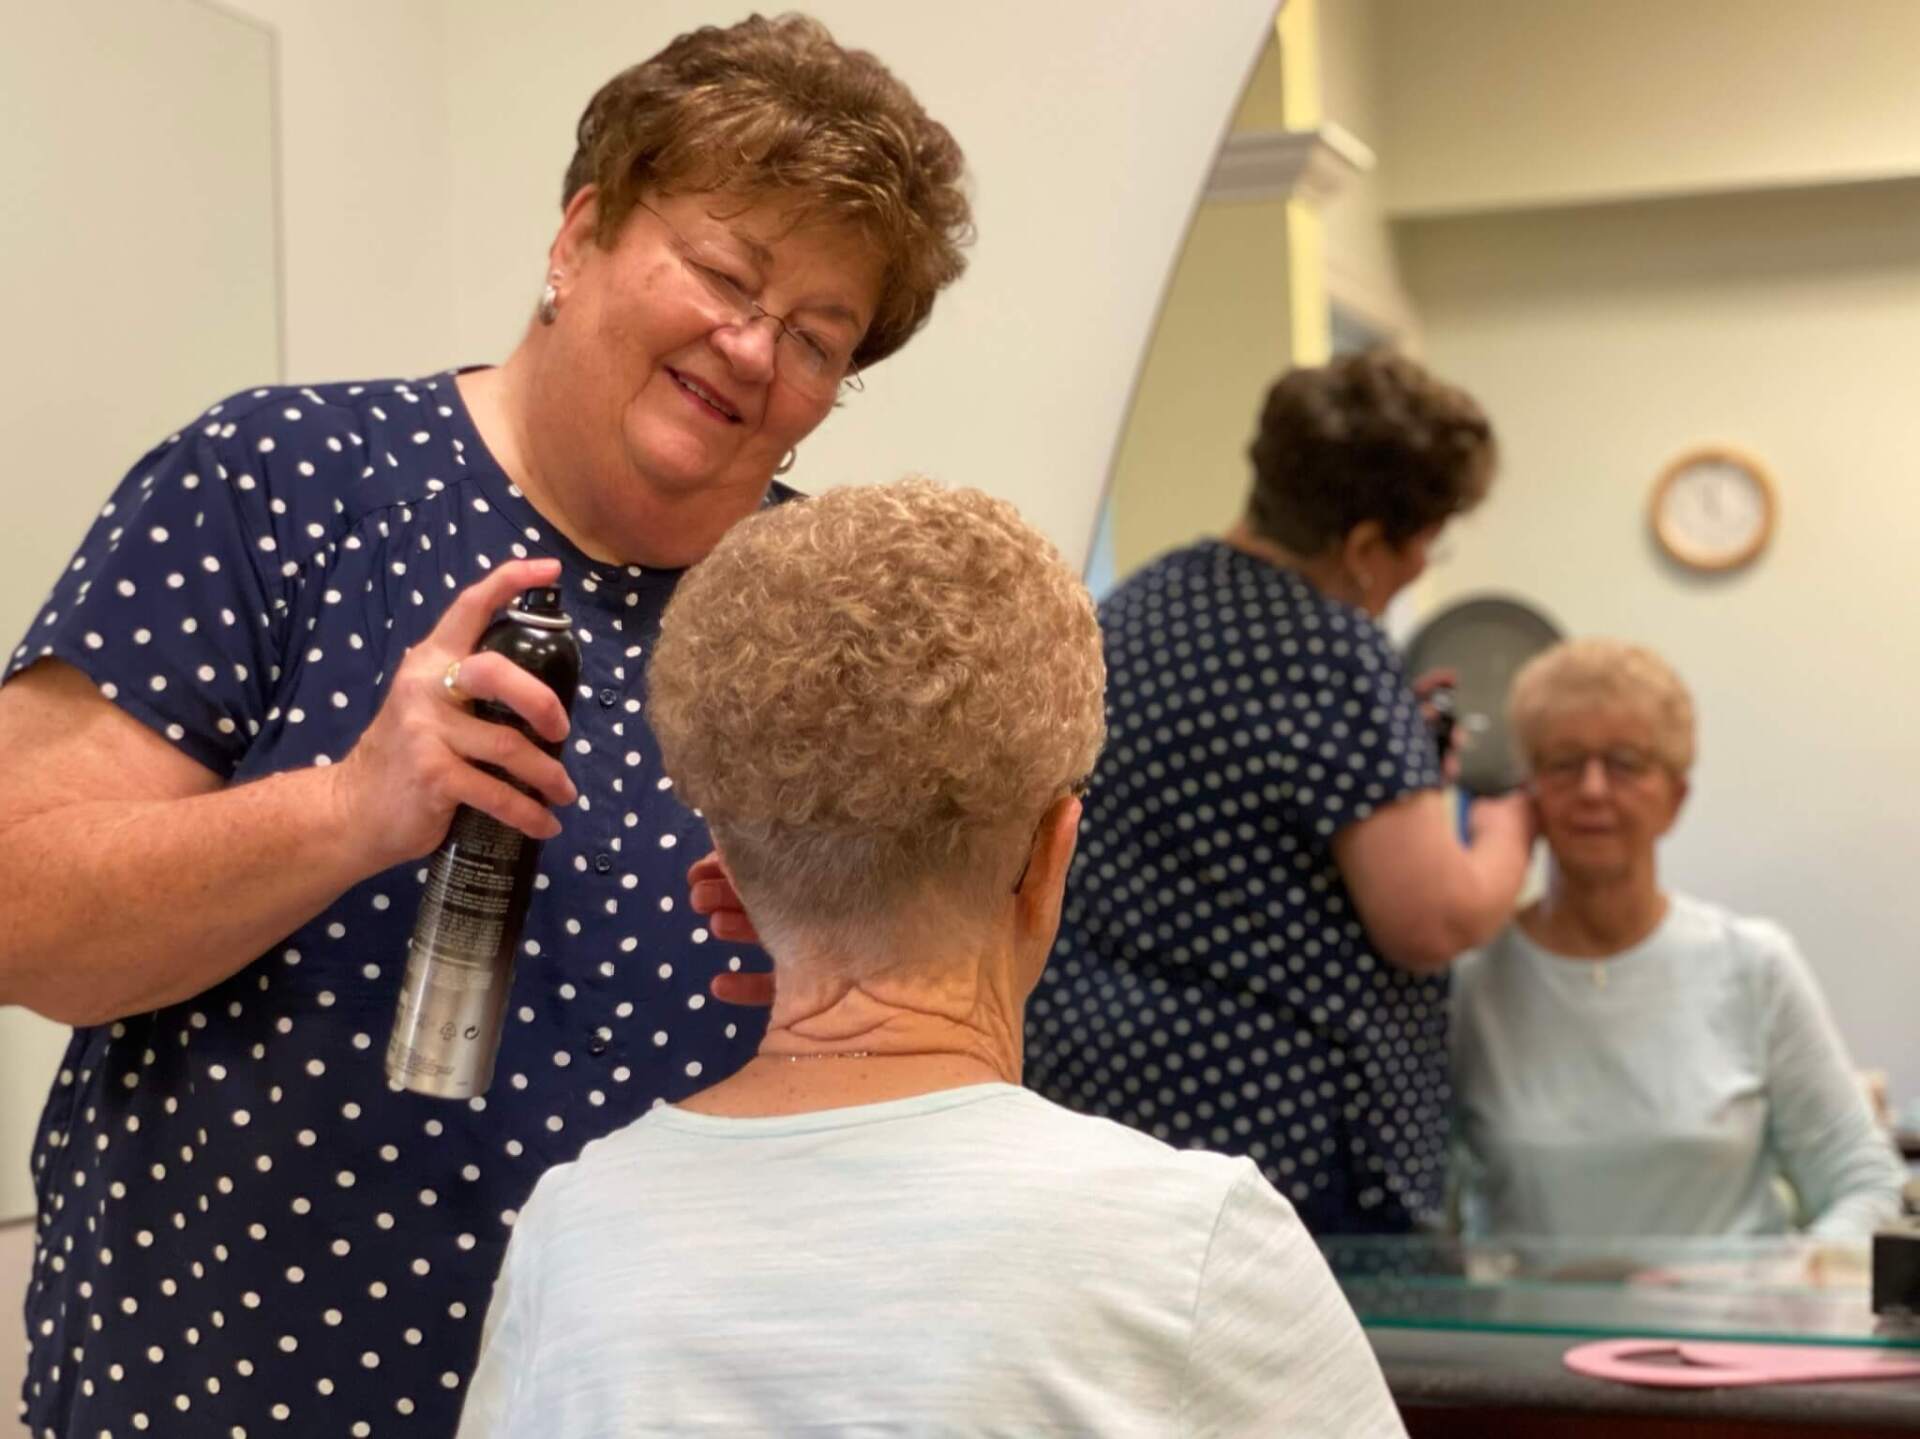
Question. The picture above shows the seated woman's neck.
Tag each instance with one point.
(834, 1041)
(1595, 916)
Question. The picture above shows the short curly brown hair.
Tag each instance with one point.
(1371, 436)
(776, 107)
(872, 697)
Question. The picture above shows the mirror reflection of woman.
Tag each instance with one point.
(1271, 886)
(1632, 1061)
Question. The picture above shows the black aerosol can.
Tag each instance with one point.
(453, 1001)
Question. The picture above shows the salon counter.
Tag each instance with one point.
(1472, 1334)
(1455, 1385)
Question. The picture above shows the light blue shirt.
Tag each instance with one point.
(1661, 1091)
(975, 1261)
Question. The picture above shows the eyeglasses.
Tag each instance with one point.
(811, 363)
(1565, 769)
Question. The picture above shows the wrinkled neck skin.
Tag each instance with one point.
(1596, 916)
(953, 1009)
(937, 1022)
(948, 1010)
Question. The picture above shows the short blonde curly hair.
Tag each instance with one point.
(872, 696)
(1591, 674)
(778, 107)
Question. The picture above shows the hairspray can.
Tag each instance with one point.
(453, 1001)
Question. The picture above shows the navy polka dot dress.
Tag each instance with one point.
(1212, 984)
(241, 1229)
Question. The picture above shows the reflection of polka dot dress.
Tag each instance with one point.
(241, 1229)
(1211, 984)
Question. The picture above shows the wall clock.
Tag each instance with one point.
(1714, 509)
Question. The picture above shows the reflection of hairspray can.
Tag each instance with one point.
(1441, 715)
(453, 1001)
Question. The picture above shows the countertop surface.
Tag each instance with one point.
(1449, 1368)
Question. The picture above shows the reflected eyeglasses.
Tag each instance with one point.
(1564, 770)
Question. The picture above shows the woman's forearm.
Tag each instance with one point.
(1495, 869)
(1849, 1175)
(1870, 1198)
(115, 908)
(1423, 898)
(1845, 1169)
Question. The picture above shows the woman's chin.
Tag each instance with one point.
(1593, 863)
(677, 465)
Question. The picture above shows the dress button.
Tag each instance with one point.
(603, 863)
(596, 1046)
(609, 698)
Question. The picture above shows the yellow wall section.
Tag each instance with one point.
(1503, 103)
(1248, 299)
(1222, 336)
(1298, 32)
(1262, 105)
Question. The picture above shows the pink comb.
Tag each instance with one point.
(1714, 1366)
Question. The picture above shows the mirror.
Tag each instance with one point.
(1630, 240)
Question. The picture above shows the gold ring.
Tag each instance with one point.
(451, 680)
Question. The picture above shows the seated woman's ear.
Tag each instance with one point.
(1051, 855)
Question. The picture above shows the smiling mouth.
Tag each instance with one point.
(705, 396)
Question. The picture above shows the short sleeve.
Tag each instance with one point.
(166, 606)
(1275, 1349)
(1359, 740)
(495, 1407)
(1843, 1168)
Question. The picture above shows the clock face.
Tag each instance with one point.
(1714, 510)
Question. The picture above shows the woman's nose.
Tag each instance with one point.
(748, 347)
(1593, 775)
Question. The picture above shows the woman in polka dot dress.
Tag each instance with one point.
(229, 747)
(1269, 888)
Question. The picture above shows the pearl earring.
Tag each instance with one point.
(550, 301)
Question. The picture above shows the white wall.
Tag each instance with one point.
(138, 281)
(1362, 269)
(1498, 103)
(16, 1266)
(1089, 126)
(1604, 341)
(366, 155)
(1182, 470)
